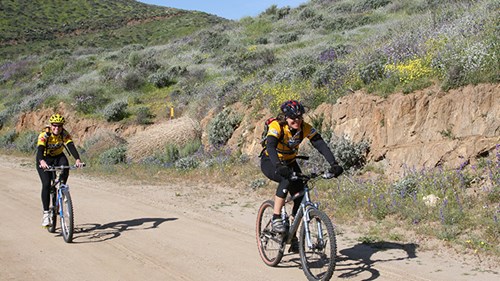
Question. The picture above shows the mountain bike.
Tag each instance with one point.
(61, 203)
(317, 239)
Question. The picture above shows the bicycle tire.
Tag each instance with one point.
(67, 217)
(319, 262)
(52, 212)
(270, 244)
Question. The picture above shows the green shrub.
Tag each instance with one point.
(212, 41)
(171, 154)
(109, 73)
(132, 81)
(143, 115)
(161, 79)
(373, 71)
(249, 60)
(332, 75)
(113, 156)
(134, 58)
(190, 148)
(374, 4)
(187, 163)
(306, 13)
(454, 78)
(89, 99)
(52, 68)
(26, 141)
(115, 111)
(276, 13)
(7, 140)
(221, 128)
(144, 61)
(349, 154)
(406, 187)
(286, 38)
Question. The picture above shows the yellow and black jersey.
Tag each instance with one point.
(288, 143)
(54, 144)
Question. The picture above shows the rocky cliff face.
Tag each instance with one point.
(428, 128)
(423, 129)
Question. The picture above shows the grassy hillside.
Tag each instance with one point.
(103, 56)
(31, 27)
(316, 52)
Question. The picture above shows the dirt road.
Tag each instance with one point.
(128, 231)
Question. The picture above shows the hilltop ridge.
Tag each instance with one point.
(48, 25)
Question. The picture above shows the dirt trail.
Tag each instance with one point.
(175, 232)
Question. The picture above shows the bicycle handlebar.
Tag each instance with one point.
(307, 177)
(62, 167)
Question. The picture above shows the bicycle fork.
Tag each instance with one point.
(63, 189)
(306, 210)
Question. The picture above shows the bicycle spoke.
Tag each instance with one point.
(67, 216)
(319, 259)
(269, 243)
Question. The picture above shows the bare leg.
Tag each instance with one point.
(278, 203)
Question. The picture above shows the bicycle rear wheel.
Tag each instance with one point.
(270, 244)
(66, 216)
(318, 261)
(52, 212)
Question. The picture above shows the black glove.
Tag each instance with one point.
(336, 170)
(283, 171)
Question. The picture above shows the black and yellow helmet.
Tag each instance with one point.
(56, 119)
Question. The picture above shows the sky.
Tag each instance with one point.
(229, 9)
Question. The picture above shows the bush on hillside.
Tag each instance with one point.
(350, 155)
(132, 81)
(115, 111)
(113, 156)
(187, 163)
(144, 115)
(161, 79)
(26, 141)
(7, 139)
(89, 99)
(221, 128)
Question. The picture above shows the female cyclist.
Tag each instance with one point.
(278, 160)
(50, 152)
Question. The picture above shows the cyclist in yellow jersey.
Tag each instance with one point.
(278, 160)
(50, 152)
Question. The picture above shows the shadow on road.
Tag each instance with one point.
(359, 258)
(91, 233)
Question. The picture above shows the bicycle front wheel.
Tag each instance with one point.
(66, 216)
(318, 259)
(270, 244)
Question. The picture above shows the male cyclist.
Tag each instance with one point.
(50, 152)
(278, 160)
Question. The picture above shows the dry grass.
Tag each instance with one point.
(155, 138)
